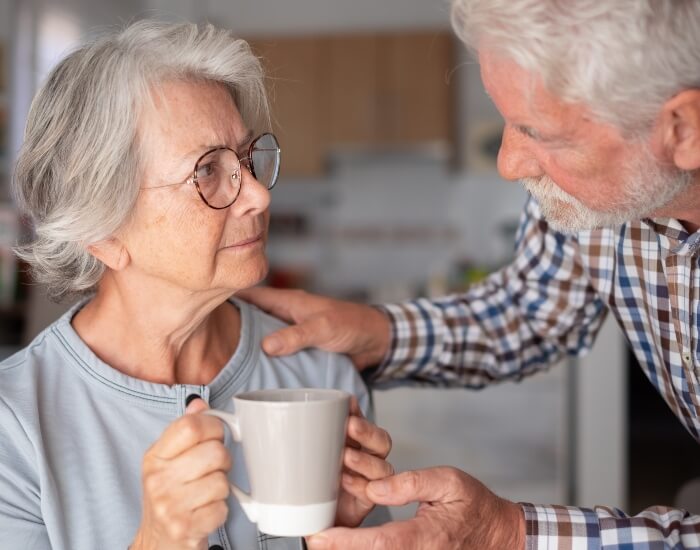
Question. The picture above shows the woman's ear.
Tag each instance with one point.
(110, 252)
(680, 127)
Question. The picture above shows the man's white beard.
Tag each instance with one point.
(648, 187)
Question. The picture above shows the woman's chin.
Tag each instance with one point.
(239, 277)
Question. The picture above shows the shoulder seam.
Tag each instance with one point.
(22, 354)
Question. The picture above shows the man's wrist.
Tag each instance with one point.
(386, 336)
(380, 343)
(510, 532)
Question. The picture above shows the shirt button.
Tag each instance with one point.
(215, 547)
(191, 397)
(687, 358)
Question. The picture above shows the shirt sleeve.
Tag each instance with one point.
(21, 522)
(602, 528)
(520, 319)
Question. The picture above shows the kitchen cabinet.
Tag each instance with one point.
(361, 91)
(295, 70)
(353, 83)
(414, 94)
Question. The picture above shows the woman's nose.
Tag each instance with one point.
(515, 159)
(254, 197)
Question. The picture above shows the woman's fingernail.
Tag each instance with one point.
(272, 344)
(379, 488)
(359, 427)
(317, 542)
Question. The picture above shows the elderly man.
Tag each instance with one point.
(601, 102)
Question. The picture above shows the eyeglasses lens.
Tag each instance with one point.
(265, 157)
(219, 177)
(218, 173)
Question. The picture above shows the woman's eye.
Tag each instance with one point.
(205, 170)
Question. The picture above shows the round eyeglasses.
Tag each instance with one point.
(218, 176)
(217, 173)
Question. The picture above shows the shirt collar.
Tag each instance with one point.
(230, 380)
(674, 237)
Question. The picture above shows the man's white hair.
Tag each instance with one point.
(77, 176)
(621, 58)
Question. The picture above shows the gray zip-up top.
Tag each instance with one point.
(73, 432)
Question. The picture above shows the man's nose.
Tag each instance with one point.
(515, 159)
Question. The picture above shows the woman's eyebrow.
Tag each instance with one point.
(201, 149)
(237, 147)
(246, 140)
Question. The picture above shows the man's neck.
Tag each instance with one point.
(685, 208)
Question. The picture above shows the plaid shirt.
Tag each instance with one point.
(550, 302)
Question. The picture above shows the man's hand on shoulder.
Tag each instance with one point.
(456, 512)
(360, 331)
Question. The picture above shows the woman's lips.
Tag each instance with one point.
(247, 242)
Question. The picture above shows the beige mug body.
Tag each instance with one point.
(293, 443)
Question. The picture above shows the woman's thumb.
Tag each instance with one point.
(195, 404)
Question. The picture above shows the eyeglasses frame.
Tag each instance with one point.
(245, 161)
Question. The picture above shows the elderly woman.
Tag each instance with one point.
(146, 171)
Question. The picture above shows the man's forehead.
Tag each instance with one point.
(520, 95)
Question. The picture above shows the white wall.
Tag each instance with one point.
(601, 421)
(262, 17)
(5, 12)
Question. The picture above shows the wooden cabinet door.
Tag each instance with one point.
(367, 90)
(414, 90)
(352, 74)
(295, 76)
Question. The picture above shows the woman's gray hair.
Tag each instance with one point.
(77, 175)
(621, 58)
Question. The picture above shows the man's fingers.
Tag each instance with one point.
(290, 339)
(275, 301)
(397, 535)
(185, 433)
(442, 484)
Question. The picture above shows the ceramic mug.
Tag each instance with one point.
(293, 443)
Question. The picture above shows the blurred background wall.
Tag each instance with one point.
(388, 191)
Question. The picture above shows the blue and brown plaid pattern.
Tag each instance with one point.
(550, 302)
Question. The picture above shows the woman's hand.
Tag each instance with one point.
(185, 485)
(367, 447)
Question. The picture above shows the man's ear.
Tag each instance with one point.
(680, 129)
(110, 252)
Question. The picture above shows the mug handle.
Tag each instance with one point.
(249, 506)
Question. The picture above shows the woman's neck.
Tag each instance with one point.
(160, 335)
